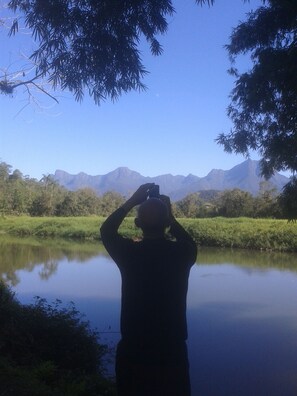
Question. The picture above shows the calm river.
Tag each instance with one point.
(242, 308)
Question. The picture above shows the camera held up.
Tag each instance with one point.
(154, 192)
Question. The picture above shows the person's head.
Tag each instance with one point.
(153, 217)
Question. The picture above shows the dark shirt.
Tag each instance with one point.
(154, 281)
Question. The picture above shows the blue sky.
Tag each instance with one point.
(170, 128)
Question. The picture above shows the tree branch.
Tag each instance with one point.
(44, 91)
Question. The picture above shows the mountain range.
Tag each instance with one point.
(245, 176)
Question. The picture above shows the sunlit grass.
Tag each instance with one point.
(247, 233)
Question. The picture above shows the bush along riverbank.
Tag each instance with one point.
(48, 350)
(244, 233)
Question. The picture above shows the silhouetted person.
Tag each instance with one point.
(152, 354)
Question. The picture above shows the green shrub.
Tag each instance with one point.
(48, 349)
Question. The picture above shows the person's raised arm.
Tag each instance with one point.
(177, 230)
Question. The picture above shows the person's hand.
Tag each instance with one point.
(140, 194)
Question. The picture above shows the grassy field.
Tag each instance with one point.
(246, 233)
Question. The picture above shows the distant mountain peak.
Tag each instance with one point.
(125, 181)
(122, 169)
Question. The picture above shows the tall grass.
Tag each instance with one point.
(246, 233)
(86, 228)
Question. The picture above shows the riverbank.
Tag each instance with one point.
(244, 233)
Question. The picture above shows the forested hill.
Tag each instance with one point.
(245, 176)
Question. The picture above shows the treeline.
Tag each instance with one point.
(20, 194)
(232, 203)
(23, 195)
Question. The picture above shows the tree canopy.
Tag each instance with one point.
(264, 101)
(87, 45)
(263, 105)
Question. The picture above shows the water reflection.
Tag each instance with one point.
(248, 258)
(26, 254)
(242, 330)
(235, 355)
(242, 308)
